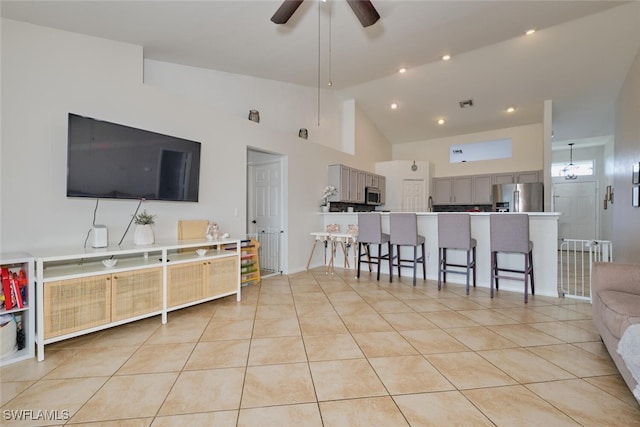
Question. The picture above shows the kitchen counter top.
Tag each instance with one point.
(543, 230)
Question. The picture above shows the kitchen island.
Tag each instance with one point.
(543, 231)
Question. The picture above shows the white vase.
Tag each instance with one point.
(325, 208)
(143, 235)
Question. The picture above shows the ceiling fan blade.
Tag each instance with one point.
(365, 12)
(285, 11)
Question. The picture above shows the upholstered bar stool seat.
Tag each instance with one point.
(454, 232)
(403, 228)
(370, 233)
(509, 233)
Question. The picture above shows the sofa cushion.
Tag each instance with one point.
(622, 310)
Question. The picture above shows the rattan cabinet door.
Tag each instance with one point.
(185, 283)
(136, 293)
(76, 304)
(222, 276)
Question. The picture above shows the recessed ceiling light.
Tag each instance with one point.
(446, 57)
(511, 109)
(394, 106)
(402, 70)
(440, 121)
(530, 31)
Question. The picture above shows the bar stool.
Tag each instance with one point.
(370, 233)
(454, 232)
(403, 228)
(510, 233)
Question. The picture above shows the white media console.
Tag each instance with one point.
(77, 294)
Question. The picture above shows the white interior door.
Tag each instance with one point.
(577, 202)
(413, 195)
(264, 214)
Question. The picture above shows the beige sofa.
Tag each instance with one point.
(616, 306)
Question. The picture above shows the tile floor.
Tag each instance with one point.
(313, 349)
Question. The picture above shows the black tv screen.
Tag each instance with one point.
(108, 160)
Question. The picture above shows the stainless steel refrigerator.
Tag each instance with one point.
(527, 197)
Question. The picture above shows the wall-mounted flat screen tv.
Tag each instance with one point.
(108, 160)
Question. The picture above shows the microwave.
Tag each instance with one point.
(372, 196)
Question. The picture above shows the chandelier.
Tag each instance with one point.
(569, 171)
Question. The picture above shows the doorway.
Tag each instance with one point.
(413, 195)
(577, 200)
(265, 207)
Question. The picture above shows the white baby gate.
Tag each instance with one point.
(576, 258)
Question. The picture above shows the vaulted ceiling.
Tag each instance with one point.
(578, 57)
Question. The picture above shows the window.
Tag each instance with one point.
(581, 168)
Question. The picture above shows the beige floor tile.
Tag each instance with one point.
(9, 390)
(93, 362)
(425, 305)
(272, 385)
(177, 331)
(524, 315)
(579, 362)
(323, 325)
(353, 308)
(366, 323)
(204, 391)
(131, 422)
(238, 311)
(615, 386)
(517, 406)
(561, 313)
(345, 379)
(218, 354)
(383, 344)
(566, 332)
(53, 395)
(595, 347)
(206, 419)
(301, 288)
(306, 414)
(449, 408)
(331, 347)
(310, 298)
(275, 298)
(373, 411)
(315, 310)
(127, 396)
(480, 338)
(487, 317)
(275, 311)
(524, 335)
(408, 321)
(460, 304)
(271, 351)
(280, 327)
(433, 341)
(32, 370)
(390, 306)
(158, 358)
(130, 334)
(524, 366)
(587, 404)
(449, 319)
(409, 374)
(468, 370)
(227, 330)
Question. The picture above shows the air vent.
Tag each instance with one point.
(467, 103)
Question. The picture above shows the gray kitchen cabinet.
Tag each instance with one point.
(382, 185)
(530, 176)
(339, 177)
(503, 178)
(351, 183)
(452, 190)
(482, 189)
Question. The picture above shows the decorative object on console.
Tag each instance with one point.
(213, 232)
(201, 252)
(329, 191)
(144, 232)
(111, 262)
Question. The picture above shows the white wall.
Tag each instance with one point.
(48, 73)
(527, 152)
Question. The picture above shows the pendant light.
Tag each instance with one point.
(570, 170)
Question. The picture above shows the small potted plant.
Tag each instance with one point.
(329, 191)
(144, 232)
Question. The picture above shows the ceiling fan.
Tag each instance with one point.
(363, 9)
